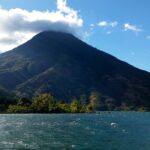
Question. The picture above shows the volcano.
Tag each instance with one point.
(61, 64)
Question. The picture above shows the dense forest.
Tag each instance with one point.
(46, 103)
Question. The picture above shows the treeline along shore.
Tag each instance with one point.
(46, 103)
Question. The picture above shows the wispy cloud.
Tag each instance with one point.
(107, 24)
(89, 32)
(23, 24)
(130, 27)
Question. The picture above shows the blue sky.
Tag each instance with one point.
(118, 27)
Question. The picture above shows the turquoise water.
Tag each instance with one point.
(105, 131)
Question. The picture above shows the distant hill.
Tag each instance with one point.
(60, 64)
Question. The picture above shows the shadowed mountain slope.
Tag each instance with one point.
(61, 64)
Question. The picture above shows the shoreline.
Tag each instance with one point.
(100, 112)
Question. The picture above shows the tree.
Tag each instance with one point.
(83, 101)
(75, 106)
(44, 103)
(18, 109)
(95, 98)
(88, 108)
(63, 108)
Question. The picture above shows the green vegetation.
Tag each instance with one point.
(45, 103)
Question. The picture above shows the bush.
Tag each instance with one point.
(18, 109)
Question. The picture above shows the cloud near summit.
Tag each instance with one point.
(18, 25)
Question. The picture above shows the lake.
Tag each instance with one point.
(104, 131)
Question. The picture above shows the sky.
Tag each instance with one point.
(118, 27)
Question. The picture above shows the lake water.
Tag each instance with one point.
(104, 131)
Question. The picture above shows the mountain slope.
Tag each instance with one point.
(59, 63)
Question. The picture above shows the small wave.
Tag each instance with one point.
(113, 124)
(73, 146)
